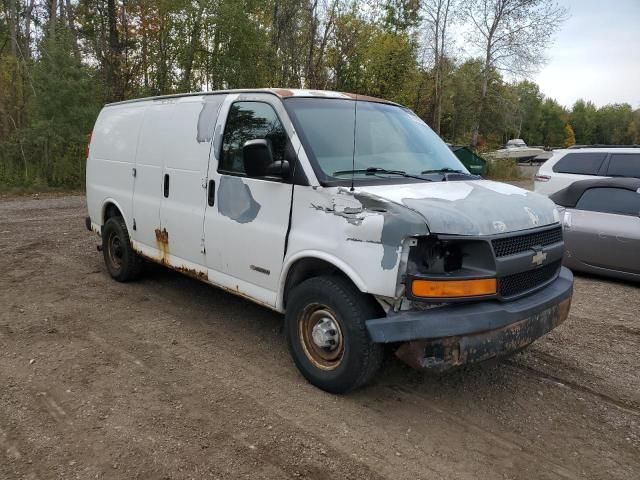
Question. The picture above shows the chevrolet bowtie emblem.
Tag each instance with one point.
(539, 258)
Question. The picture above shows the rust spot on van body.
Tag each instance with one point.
(441, 354)
(367, 98)
(162, 242)
(192, 272)
(162, 237)
(283, 92)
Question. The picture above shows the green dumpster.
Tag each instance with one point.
(474, 162)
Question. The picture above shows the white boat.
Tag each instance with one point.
(518, 150)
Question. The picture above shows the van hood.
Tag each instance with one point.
(473, 207)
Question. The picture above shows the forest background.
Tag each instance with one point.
(464, 66)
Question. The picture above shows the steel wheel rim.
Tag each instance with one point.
(115, 250)
(316, 327)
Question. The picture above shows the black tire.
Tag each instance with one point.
(122, 262)
(337, 301)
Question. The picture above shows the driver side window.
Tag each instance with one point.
(250, 121)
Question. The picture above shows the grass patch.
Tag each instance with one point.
(14, 191)
(503, 169)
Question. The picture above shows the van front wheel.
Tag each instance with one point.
(327, 336)
(122, 261)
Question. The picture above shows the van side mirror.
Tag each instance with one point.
(258, 160)
(257, 157)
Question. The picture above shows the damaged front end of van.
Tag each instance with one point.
(478, 265)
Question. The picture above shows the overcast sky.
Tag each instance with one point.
(596, 54)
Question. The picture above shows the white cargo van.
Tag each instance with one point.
(347, 214)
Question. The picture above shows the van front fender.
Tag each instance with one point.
(319, 255)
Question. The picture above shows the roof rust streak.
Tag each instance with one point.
(367, 98)
(283, 92)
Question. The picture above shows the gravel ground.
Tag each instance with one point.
(168, 378)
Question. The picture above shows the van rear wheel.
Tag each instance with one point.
(327, 335)
(122, 262)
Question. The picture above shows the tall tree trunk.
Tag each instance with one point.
(323, 44)
(13, 26)
(439, 22)
(72, 28)
(53, 4)
(310, 73)
(486, 71)
(191, 52)
(113, 56)
(443, 37)
(27, 30)
(145, 65)
(275, 41)
(436, 71)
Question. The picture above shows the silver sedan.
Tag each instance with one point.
(601, 224)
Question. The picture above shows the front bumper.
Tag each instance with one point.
(452, 335)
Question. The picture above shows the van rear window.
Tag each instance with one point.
(580, 163)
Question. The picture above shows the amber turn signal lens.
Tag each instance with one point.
(453, 288)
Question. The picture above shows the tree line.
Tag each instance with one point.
(459, 64)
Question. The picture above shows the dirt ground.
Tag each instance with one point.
(168, 378)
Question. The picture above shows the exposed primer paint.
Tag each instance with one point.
(399, 223)
(217, 141)
(352, 217)
(477, 207)
(344, 205)
(235, 200)
(207, 118)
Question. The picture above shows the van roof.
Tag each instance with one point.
(279, 92)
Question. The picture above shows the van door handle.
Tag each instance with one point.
(211, 194)
(166, 185)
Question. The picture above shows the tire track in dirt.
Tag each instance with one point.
(626, 407)
(214, 392)
(449, 421)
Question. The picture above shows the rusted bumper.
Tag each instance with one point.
(453, 335)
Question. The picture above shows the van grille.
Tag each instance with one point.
(524, 281)
(521, 243)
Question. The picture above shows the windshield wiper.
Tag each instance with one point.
(450, 171)
(377, 170)
(443, 170)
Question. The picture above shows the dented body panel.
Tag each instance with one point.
(444, 353)
(479, 207)
(157, 162)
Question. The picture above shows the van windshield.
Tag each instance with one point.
(388, 139)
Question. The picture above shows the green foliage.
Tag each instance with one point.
(552, 122)
(613, 123)
(530, 112)
(62, 108)
(569, 136)
(73, 59)
(401, 15)
(460, 110)
(584, 121)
